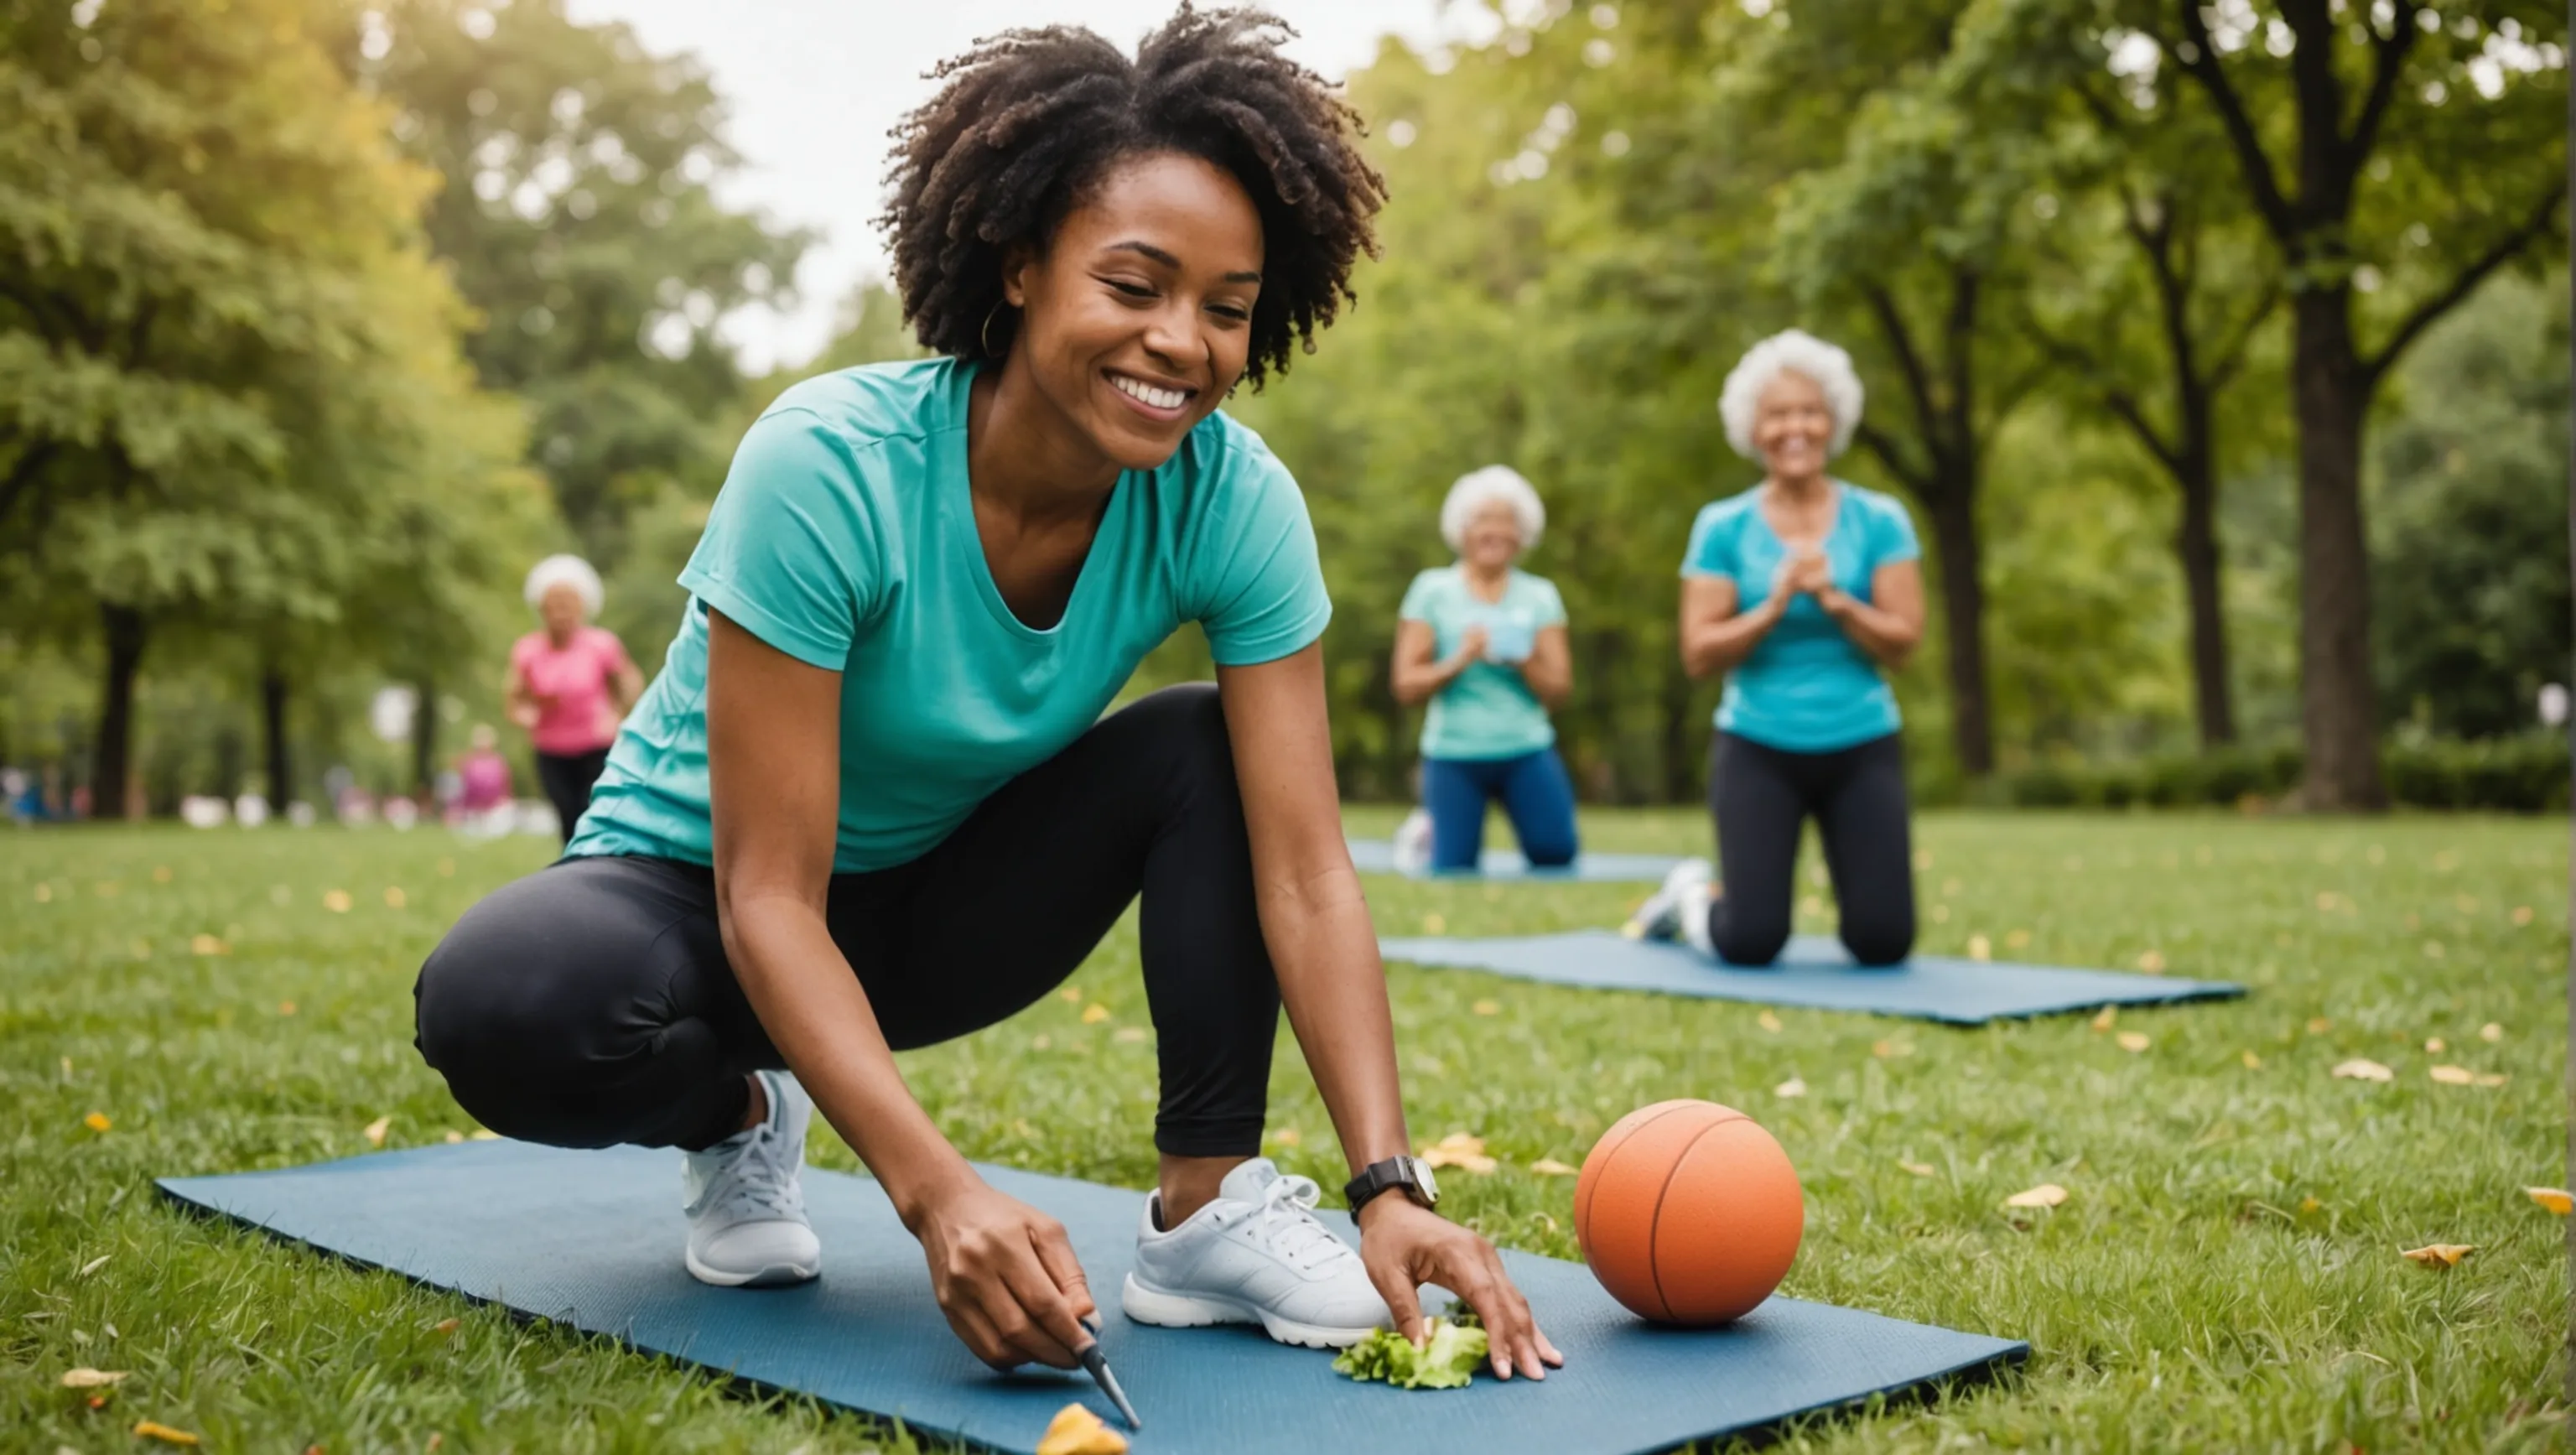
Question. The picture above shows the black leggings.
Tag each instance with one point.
(568, 779)
(591, 1003)
(1762, 797)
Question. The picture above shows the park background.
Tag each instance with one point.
(2220, 352)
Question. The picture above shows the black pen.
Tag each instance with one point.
(1098, 1365)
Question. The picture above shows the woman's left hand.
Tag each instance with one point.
(1406, 1245)
(1812, 574)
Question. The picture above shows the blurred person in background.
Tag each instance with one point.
(571, 684)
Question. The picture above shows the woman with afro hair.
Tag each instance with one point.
(873, 802)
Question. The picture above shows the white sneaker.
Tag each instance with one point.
(1678, 909)
(1254, 1255)
(1413, 843)
(746, 1208)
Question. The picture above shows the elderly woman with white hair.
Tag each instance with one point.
(570, 684)
(1803, 590)
(1484, 643)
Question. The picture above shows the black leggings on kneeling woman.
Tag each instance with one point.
(1762, 797)
(592, 1004)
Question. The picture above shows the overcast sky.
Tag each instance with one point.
(813, 86)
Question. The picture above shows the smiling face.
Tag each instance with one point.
(1793, 427)
(1137, 317)
(1492, 538)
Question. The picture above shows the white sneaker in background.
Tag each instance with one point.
(1413, 843)
(1678, 909)
(746, 1203)
(1256, 1254)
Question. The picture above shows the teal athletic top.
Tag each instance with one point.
(1487, 711)
(1807, 688)
(845, 537)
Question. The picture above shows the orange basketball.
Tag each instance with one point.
(1688, 1212)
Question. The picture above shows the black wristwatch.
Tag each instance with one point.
(1411, 1175)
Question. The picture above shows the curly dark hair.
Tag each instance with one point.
(1028, 120)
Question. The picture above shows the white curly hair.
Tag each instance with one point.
(1791, 352)
(1492, 485)
(570, 571)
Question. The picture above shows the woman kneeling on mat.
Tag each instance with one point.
(871, 802)
(1800, 590)
(1485, 642)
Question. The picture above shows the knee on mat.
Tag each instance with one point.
(1881, 943)
(1550, 853)
(1738, 943)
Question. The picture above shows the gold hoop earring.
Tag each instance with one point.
(984, 335)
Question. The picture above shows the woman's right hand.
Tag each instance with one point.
(1006, 1278)
(1471, 646)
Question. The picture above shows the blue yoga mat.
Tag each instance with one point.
(1376, 856)
(593, 1239)
(1813, 972)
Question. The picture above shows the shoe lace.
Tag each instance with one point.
(760, 1178)
(1287, 1224)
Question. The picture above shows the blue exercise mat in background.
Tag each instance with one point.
(1376, 856)
(593, 1239)
(1813, 972)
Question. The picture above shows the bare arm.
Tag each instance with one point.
(1419, 678)
(1549, 668)
(1323, 948)
(523, 708)
(626, 686)
(1715, 636)
(1005, 1274)
(1889, 626)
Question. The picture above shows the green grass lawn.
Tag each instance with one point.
(2225, 1274)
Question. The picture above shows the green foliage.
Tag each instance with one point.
(2525, 774)
(1447, 1359)
(2471, 519)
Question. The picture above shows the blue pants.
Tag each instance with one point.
(1537, 797)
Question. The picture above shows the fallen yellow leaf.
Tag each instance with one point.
(2490, 1078)
(482, 1134)
(2319, 1025)
(1768, 1022)
(337, 901)
(207, 945)
(2359, 1069)
(2309, 1204)
(2153, 962)
(2017, 940)
(286, 1007)
(1891, 1050)
(1791, 1087)
(1487, 1007)
(2439, 1255)
(1632, 931)
(1040, 1042)
(376, 1130)
(1287, 1136)
(2109, 1016)
(2491, 1032)
(155, 1430)
(160, 873)
(1094, 1013)
(2133, 1041)
(2047, 1194)
(2453, 1075)
(1434, 923)
(2522, 914)
(1919, 1169)
(394, 896)
(1129, 1035)
(44, 894)
(1075, 1430)
(1462, 1151)
(91, 1378)
(1980, 948)
(1070, 995)
(2435, 1046)
(445, 1326)
(2252, 1061)
(2556, 1199)
(454, 1136)
(97, 1121)
(1550, 1167)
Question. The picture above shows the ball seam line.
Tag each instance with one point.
(1655, 1225)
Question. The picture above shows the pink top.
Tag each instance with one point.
(575, 713)
(486, 780)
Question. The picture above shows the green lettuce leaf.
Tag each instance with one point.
(1446, 1360)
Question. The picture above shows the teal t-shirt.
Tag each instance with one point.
(1807, 688)
(1488, 711)
(845, 537)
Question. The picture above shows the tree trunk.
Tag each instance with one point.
(424, 739)
(1963, 617)
(272, 726)
(2338, 698)
(2196, 542)
(110, 764)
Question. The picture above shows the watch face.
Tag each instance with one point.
(1429, 1184)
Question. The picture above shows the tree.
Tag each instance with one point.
(2398, 156)
(207, 257)
(577, 212)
